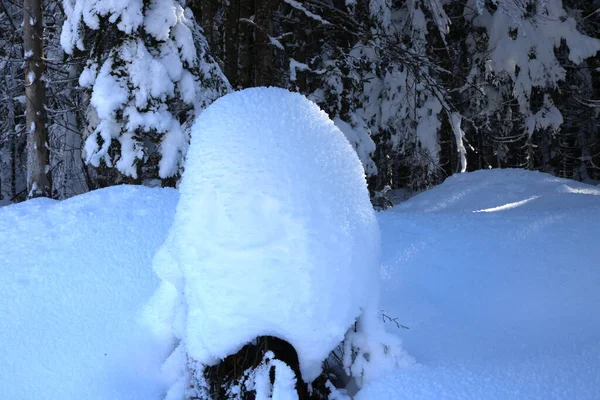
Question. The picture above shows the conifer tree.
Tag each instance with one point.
(149, 73)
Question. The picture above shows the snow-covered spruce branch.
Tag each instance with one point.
(131, 106)
(309, 14)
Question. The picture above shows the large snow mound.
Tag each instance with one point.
(274, 233)
(496, 273)
(73, 277)
(502, 190)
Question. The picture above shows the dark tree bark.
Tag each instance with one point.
(13, 168)
(230, 57)
(38, 181)
(246, 43)
(264, 71)
(209, 10)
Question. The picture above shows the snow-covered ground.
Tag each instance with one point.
(496, 273)
(73, 277)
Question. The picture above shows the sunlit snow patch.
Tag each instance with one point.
(589, 191)
(508, 206)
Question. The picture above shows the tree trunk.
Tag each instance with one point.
(230, 57)
(67, 177)
(38, 182)
(208, 10)
(264, 71)
(245, 43)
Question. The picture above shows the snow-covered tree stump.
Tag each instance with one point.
(274, 236)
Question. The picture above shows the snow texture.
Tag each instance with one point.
(501, 304)
(128, 13)
(74, 276)
(274, 233)
(359, 137)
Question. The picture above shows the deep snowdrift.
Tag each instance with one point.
(274, 234)
(497, 275)
(500, 305)
(73, 277)
(519, 191)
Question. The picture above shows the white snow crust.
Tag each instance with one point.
(75, 275)
(274, 233)
(501, 304)
(486, 190)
